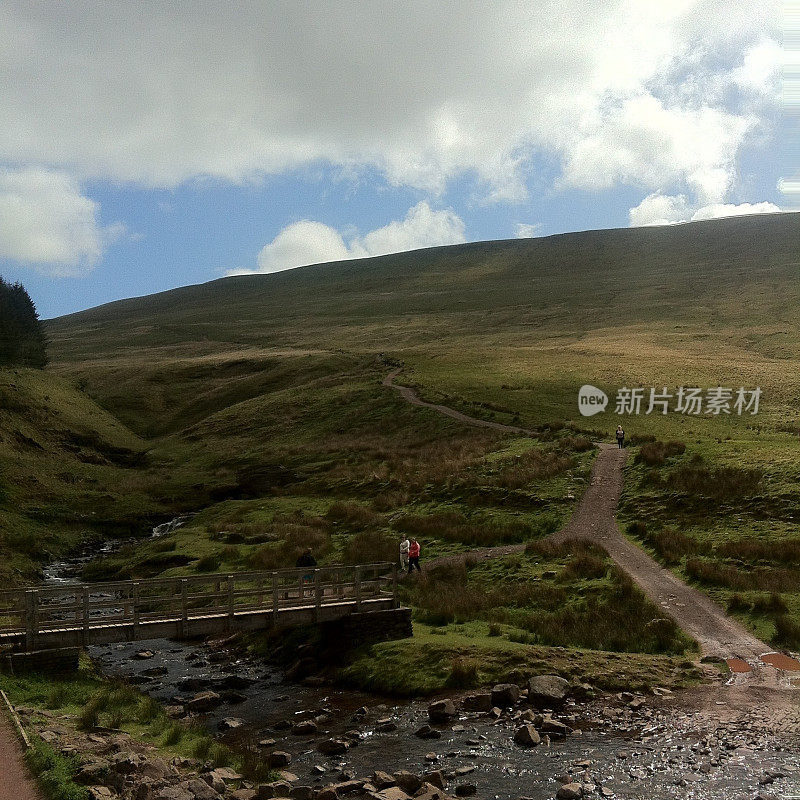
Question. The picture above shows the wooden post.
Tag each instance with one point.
(231, 602)
(317, 594)
(135, 610)
(274, 598)
(86, 615)
(358, 588)
(394, 586)
(31, 623)
(184, 632)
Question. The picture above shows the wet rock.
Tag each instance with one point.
(348, 787)
(233, 682)
(328, 793)
(466, 790)
(505, 695)
(155, 672)
(305, 728)
(382, 780)
(143, 655)
(279, 758)
(480, 701)
(464, 770)
(175, 712)
(266, 791)
(302, 793)
(91, 773)
(527, 736)
(332, 747)
(441, 711)
(391, 793)
(431, 757)
(426, 732)
(435, 778)
(408, 781)
(230, 724)
(547, 691)
(199, 790)
(233, 697)
(203, 702)
(386, 725)
(570, 791)
(555, 728)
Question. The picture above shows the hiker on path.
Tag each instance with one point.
(620, 437)
(404, 548)
(413, 556)
(306, 560)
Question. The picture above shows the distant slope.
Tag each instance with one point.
(741, 270)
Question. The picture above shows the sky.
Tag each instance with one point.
(151, 145)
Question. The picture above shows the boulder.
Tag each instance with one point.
(435, 778)
(547, 691)
(305, 728)
(203, 702)
(278, 759)
(381, 780)
(408, 781)
(302, 793)
(505, 695)
(391, 793)
(199, 790)
(555, 728)
(426, 732)
(327, 793)
(332, 747)
(266, 791)
(480, 701)
(570, 791)
(230, 724)
(441, 711)
(466, 790)
(527, 736)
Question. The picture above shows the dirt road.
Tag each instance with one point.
(595, 520)
(16, 782)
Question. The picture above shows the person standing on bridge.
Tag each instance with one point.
(620, 437)
(413, 556)
(404, 548)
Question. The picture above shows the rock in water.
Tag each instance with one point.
(547, 691)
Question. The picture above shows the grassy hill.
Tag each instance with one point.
(259, 402)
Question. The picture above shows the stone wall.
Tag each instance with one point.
(371, 626)
(62, 659)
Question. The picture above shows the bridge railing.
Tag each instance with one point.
(30, 611)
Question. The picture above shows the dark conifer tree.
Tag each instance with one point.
(22, 338)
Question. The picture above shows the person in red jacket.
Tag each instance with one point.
(413, 556)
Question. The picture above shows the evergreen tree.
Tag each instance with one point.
(22, 338)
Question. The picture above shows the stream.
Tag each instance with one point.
(670, 748)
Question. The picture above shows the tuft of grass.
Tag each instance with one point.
(463, 674)
(54, 772)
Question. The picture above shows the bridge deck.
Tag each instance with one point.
(102, 613)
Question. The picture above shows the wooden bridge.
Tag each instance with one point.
(79, 615)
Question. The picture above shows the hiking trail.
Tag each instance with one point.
(594, 520)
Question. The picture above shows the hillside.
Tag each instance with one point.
(260, 401)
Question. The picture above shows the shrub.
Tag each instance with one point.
(463, 674)
(737, 604)
(495, 629)
(787, 632)
(583, 566)
(533, 465)
(781, 551)
(353, 514)
(209, 563)
(369, 547)
(719, 483)
(770, 605)
(655, 453)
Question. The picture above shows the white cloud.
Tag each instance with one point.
(46, 222)
(307, 242)
(161, 93)
(659, 209)
(528, 230)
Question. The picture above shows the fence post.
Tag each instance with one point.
(31, 623)
(274, 599)
(86, 615)
(231, 602)
(394, 586)
(135, 610)
(184, 608)
(317, 594)
(358, 588)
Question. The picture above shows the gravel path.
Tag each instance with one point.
(16, 782)
(595, 520)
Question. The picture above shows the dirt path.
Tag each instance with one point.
(595, 520)
(16, 782)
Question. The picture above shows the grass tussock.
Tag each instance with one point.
(765, 579)
(534, 465)
(655, 453)
(720, 483)
(369, 547)
(294, 534)
(453, 526)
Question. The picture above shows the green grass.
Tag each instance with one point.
(427, 663)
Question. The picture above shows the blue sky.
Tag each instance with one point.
(151, 145)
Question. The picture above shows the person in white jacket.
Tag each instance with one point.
(404, 546)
